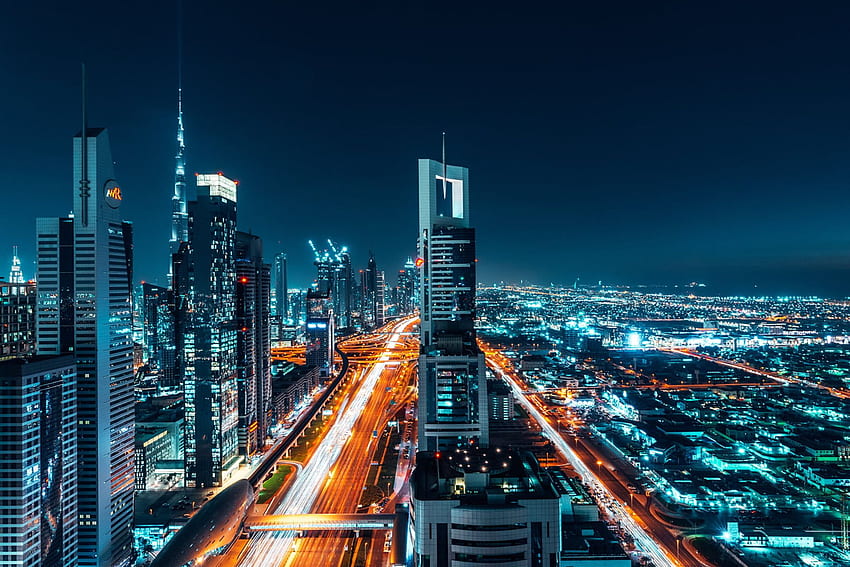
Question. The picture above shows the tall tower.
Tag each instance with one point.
(281, 287)
(85, 307)
(253, 343)
(204, 287)
(452, 378)
(179, 211)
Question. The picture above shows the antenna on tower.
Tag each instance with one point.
(84, 157)
(445, 177)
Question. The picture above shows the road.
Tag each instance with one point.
(333, 476)
(634, 525)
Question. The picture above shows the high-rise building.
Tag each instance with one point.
(179, 208)
(372, 294)
(452, 375)
(405, 291)
(17, 314)
(253, 343)
(280, 287)
(204, 286)
(38, 461)
(15, 273)
(155, 304)
(320, 331)
(334, 276)
(85, 307)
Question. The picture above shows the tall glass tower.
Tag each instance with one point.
(84, 307)
(452, 377)
(206, 332)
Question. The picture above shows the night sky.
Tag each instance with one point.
(634, 142)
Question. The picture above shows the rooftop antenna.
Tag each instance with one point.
(445, 177)
(84, 157)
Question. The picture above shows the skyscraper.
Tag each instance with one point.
(253, 343)
(38, 461)
(372, 294)
(452, 378)
(204, 285)
(320, 331)
(280, 288)
(85, 307)
(17, 315)
(406, 288)
(179, 210)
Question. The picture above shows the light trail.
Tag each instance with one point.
(271, 548)
(642, 539)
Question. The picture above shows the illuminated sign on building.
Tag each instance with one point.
(112, 193)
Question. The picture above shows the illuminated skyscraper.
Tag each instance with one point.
(372, 294)
(179, 210)
(452, 380)
(85, 308)
(253, 343)
(204, 288)
(17, 314)
(38, 461)
(280, 285)
(405, 295)
(320, 331)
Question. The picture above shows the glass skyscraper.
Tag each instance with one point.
(452, 375)
(85, 308)
(204, 289)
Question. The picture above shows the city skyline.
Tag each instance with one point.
(683, 159)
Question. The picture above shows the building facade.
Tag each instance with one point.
(204, 286)
(253, 343)
(38, 461)
(483, 507)
(85, 307)
(17, 319)
(452, 375)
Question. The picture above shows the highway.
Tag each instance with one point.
(333, 476)
(630, 522)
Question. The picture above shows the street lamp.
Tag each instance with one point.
(599, 467)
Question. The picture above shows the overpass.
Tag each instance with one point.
(321, 522)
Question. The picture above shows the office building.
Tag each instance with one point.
(452, 379)
(155, 304)
(38, 461)
(405, 289)
(253, 343)
(85, 308)
(479, 506)
(335, 277)
(204, 286)
(372, 290)
(280, 305)
(319, 329)
(179, 205)
(17, 318)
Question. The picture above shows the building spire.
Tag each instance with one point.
(445, 177)
(179, 210)
(84, 157)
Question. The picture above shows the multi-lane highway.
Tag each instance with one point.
(333, 477)
(631, 523)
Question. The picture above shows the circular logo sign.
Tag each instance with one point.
(112, 193)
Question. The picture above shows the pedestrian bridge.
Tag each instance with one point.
(324, 522)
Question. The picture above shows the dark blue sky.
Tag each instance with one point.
(622, 141)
